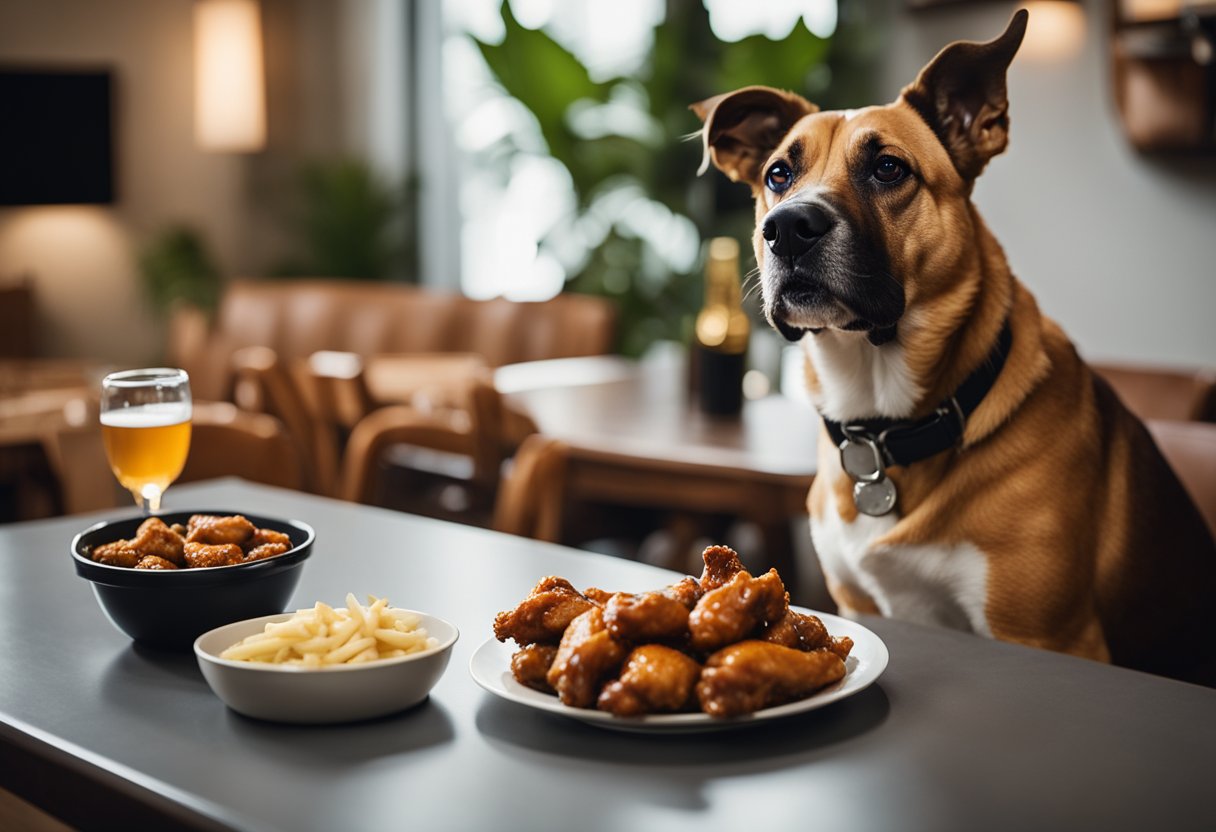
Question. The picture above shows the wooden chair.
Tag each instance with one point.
(226, 441)
(18, 319)
(552, 483)
(456, 444)
(263, 384)
(1190, 448)
(1161, 393)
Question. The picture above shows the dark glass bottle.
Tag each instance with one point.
(720, 349)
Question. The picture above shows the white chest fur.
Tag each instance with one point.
(927, 584)
(858, 380)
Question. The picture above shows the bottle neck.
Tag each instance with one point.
(722, 325)
(722, 284)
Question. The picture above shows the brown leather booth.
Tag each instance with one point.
(297, 318)
(333, 351)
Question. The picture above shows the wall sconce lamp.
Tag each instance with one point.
(229, 81)
(1056, 31)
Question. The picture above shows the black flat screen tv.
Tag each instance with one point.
(56, 136)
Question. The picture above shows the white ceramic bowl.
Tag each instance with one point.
(333, 694)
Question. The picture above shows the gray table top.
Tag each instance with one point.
(959, 733)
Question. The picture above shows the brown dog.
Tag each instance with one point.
(973, 471)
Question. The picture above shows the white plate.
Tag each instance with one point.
(491, 668)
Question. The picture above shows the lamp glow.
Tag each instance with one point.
(229, 84)
(1056, 30)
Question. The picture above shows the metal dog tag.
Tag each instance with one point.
(861, 460)
(874, 498)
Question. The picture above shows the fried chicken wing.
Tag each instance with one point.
(652, 616)
(841, 646)
(721, 565)
(543, 616)
(202, 555)
(655, 679)
(587, 655)
(266, 550)
(687, 591)
(215, 531)
(597, 596)
(530, 666)
(753, 675)
(154, 562)
(118, 553)
(797, 630)
(155, 538)
(736, 610)
(262, 537)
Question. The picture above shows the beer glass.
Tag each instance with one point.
(145, 422)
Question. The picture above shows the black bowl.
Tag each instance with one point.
(172, 607)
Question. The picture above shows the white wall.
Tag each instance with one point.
(1119, 248)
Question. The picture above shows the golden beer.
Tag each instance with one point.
(147, 446)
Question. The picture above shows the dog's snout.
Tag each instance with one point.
(792, 229)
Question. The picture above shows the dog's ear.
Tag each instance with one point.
(742, 128)
(961, 94)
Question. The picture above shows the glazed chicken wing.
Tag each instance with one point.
(721, 565)
(587, 655)
(543, 616)
(652, 616)
(215, 531)
(597, 596)
(655, 679)
(687, 591)
(736, 610)
(840, 645)
(797, 630)
(530, 666)
(753, 675)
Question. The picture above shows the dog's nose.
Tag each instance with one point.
(792, 229)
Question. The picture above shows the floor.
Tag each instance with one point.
(16, 814)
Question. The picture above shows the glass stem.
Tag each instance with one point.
(149, 500)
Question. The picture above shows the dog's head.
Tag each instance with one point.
(858, 213)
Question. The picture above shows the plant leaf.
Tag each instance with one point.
(539, 72)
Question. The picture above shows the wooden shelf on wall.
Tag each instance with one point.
(1164, 69)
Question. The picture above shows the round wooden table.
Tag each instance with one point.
(618, 432)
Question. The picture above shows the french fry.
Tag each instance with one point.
(322, 636)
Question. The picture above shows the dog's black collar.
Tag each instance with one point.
(902, 442)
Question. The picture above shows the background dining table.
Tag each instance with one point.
(959, 733)
(645, 409)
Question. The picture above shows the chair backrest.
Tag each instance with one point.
(1190, 448)
(262, 384)
(297, 318)
(226, 441)
(1160, 393)
(470, 429)
(18, 321)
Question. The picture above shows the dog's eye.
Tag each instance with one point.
(888, 170)
(779, 177)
